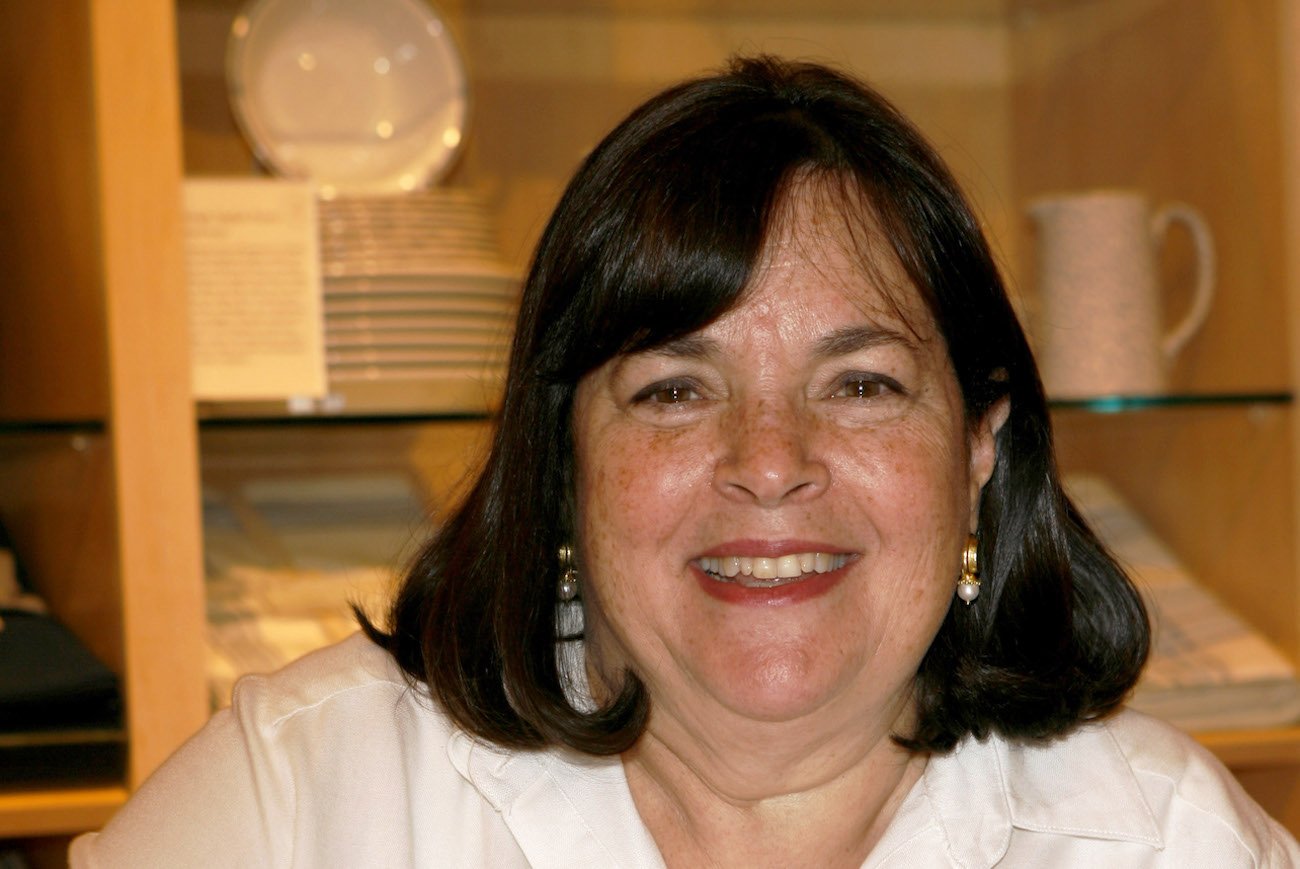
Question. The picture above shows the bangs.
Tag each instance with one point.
(847, 216)
(671, 238)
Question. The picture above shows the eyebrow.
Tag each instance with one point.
(851, 339)
(840, 342)
(687, 347)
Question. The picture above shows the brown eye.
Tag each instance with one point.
(674, 394)
(667, 393)
(864, 386)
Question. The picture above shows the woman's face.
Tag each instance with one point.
(773, 509)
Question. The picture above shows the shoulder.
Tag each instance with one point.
(320, 763)
(1160, 787)
(351, 673)
(1185, 785)
(344, 714)
(1128, 790)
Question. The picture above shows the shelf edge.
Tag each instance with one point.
(1249, 749)
(57, 811)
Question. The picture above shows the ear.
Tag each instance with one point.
(983, 452)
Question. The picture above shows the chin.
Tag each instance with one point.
(777, 687)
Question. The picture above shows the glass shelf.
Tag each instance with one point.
(1130, 403)
(364, 403)
(51, 426)
(208, 423)
(250, 414)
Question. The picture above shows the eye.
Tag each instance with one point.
(667, 392)
(861, 385)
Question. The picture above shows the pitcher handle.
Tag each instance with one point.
(1177, 212)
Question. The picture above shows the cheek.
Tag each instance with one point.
(907, 479)
(911, 491)
(634, 487)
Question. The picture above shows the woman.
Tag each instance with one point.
(769, 563)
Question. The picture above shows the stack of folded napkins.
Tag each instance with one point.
(1208, 669)
(287, 559)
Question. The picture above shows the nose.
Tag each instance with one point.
(767, 459)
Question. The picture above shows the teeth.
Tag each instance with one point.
(787, 566)
(769, 572)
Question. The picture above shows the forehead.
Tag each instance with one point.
(827, 243)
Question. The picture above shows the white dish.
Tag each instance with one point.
(488, 326)
(360, 97)
(470, 373)
(462, 202)
(483, 306)
(394, 338)
(382, 357)
(439, 273)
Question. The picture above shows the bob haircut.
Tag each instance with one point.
(659, 233)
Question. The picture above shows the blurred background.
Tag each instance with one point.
(176, 537)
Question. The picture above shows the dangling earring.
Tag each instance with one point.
(568, 587)
(968, 587)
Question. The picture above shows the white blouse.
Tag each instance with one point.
(336, 761)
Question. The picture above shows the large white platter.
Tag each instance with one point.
(360, 96)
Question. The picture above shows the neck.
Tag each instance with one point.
(801, 804)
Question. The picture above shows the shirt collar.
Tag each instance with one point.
(985, 789)
(569, 809)
(563, 808)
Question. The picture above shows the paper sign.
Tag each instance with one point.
(253, 268)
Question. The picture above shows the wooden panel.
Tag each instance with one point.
(559, 80)
(1178, 98)
(151, 428)
(57, 504)
(1264, 748)
(1289, 111)
(51, 311)
(1215, 485)
(1267, 763)
(1277, 790)
(558, 76)
(911, 9)
(56, 812)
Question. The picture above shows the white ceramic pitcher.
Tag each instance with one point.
(1100, 327)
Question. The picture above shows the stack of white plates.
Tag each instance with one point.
(369, 100)
(415, 289)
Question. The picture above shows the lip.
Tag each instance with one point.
(771, 548)
(781, 595)
(734, 593)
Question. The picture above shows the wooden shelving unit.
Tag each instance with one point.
(99, 479)
(56, 812)
(93, 329)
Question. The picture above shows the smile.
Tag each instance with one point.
(761, 572)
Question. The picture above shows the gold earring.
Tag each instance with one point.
(568, 587)
(968, 587)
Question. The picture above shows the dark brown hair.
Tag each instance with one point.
(658, 234)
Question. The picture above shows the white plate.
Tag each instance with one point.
(382, 357)
(483, 306)
(395, 338)
(360, 97)
(490, 327)
(471, 373)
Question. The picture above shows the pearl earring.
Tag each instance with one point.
(568, 587)
(968, 587)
